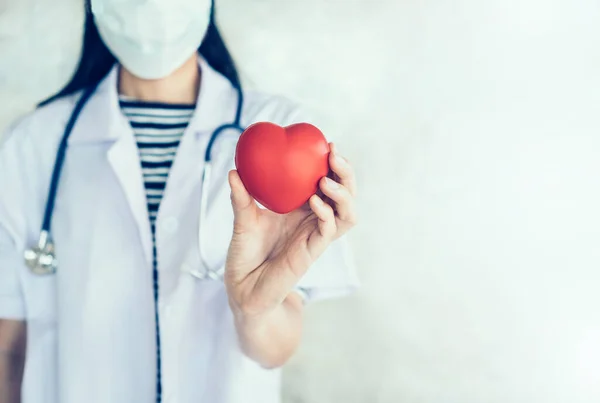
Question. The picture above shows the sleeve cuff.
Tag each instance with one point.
(12, 308)
(318, 294)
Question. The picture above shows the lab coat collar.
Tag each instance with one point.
(102, 119)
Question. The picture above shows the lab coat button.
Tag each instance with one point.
(165, 309)
(170, 225)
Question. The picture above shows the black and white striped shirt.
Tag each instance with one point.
(158, 129)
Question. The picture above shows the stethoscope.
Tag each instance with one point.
(41, 258)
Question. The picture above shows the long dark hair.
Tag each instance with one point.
(96, 60)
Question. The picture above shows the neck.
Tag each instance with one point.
(180, 87)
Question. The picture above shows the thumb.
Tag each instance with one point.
(245, 210)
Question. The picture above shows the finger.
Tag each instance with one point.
(245, 210)
(342, 199)
(318, 241)
(342, 168)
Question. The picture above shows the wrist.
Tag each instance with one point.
(270, 338)
(248, 318)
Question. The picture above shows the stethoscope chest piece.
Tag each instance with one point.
(41, 259)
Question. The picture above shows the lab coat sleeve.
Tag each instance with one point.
(333, 274)
(12, 305)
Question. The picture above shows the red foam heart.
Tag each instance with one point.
(281, 166)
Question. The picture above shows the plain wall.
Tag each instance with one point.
(474, 128)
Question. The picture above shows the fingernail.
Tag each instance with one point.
(332, 184)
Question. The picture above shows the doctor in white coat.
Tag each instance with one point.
(130, 314)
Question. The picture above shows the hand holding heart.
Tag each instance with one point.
(270, 252)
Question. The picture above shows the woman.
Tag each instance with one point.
(134, 312)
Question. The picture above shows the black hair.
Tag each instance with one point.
(96, 60)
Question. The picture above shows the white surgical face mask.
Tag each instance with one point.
(152, 38)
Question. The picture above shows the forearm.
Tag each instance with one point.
(273, 338)
(12, 360)
(11, 372)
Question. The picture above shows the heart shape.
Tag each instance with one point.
(281, 166)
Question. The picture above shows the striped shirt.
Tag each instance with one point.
(158, 129)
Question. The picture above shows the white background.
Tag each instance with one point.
(474, 129)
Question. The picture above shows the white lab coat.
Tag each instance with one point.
(91, 326)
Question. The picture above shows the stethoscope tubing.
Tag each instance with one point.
(61, 157)
(42, 256)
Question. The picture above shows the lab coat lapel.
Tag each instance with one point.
(124, 159)
(101, 121)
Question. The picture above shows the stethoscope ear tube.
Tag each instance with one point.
(234, 125)
(206, 176)
(41, 258)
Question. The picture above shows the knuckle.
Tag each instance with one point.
(331, 229)
(348, 194)
(349, 218)
(329, 211)
(345, 199)
(239, 229)
(348, 170)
